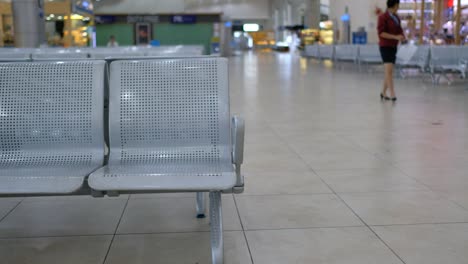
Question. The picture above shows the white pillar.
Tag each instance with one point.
(226, 37)
(29, 23)
(276, 24)
(312, 14)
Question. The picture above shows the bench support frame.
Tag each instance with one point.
(200, 205)
(216, 226)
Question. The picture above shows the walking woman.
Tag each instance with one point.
(390, 34)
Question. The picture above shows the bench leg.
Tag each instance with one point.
(216, 224)
(434, 78)
(401, 73)
(200, 205)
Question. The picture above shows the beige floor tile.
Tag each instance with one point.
(60, 218)
(355, 245)
(428, 244)
(266, 148)
(458, 196)
(284, 183)
(370, 180)
(71, 198)
(441, 179)
(163, 215)
(342, 160)
(275, 163)
(176, 248)
(391, 208)
(55, 250)
(6, 204)
(294, 211)
(441, 161)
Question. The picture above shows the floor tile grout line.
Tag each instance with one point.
(372, 230)
(293, 151)
(286, 194)
(243, 229)
(340, 198)
(9, 212)
(121, 234)
(421, 224)
(391, 164)
(439, 193)
(234, 231)
(55, 236)
(413, 178)
(304, 228)
(344, 193)
(173, 232)
(457, 203)
(115, 231)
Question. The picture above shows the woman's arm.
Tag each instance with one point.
(391, 36)
(382, 30)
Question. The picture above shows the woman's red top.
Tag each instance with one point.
(388, 24)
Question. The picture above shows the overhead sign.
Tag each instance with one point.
(141, 19)
(105, 19)
(183, 19)
(251, 27)
(83, 6)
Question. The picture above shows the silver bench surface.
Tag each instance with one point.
(51, 125)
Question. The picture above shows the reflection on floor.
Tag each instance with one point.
(333, 175)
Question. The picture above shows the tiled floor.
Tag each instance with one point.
(333, 175)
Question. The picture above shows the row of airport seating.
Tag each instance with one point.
(437, 61)
(25, 54)
(168, 128)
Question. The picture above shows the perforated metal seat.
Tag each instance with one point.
(346, 52)
(369, 54)
(51, 125)
(170, 130)
(116, 52)
(446, 59)
(12, 55)
(170, 127)
(312, 51)
(175, 177)
(326, 52)
(59, 54)
(413, 57)
(172, 51)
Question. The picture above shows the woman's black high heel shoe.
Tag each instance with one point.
(382, 97)
(393, 99)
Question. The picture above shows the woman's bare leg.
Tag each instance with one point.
(389, 78)
(384, 90)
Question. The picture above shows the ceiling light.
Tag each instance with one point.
(251, 27)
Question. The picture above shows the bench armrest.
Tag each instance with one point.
(237, 132)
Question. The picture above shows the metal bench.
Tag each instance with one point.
(369, 54)
(346, 53)
(51, 126)
(447, 59)
(419, 60)
(326, 52)
(312, 51)
(12, 54)
(104, 53)
(180, 50)
(171, 131)
(53, 54)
